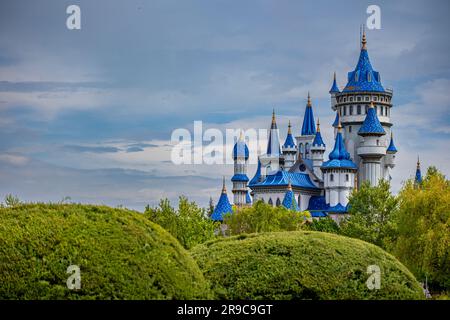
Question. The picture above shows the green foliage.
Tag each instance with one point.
(11, 201)
(121, 255)
(324, 225)
(423, 220)
(189, 224)
(263, 217)
(372, 215)
(301, 265)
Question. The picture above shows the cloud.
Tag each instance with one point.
(91, 149)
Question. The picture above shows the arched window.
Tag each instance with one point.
(306, 149)
(351, 110)
(331, 177)
(358, 109)
(271, 202)
(302, 150)
(345, 110)
(347, 178)
(369, 77)
(278, 202)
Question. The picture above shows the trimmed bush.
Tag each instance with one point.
(301, 265)
(120, 253)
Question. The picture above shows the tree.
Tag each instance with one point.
(263, 217)
(372, 215)
(324, 225)
(189, 224)
(423, 243)
(12, 201)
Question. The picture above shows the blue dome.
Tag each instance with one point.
(339, 157)
(240, 149)
(371, 125)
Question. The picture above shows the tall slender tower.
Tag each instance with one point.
(418, 177)
(273, 160)
(317, 151)
(240, 179)
(372, 149)
(304, 141)
(289, 149)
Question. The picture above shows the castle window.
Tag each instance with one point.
(349, 128)
(345, 110)
(278, 202)
(345, 99)
(351, 110)
(302, 150)
(331, 177)
(376, 109)
(270, 202)
(367, 107)
(369, 77)
(351, 99)
(378, 142)
(347, 178)
(375, 99)
(367, 98)
(306, 150)
(358, 109)
(359, 98)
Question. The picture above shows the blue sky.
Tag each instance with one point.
(89, 113)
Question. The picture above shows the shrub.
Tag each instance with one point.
(301, 265)
(121, 255)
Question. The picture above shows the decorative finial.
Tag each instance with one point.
(339, 124)
(364, 40)
(309, 100)
(318, 125)
(289, 187)
(241, 136)
(273, 116)
(224, 188)
(371, 104)
(418, 162)
(289, 127)
(334, 77)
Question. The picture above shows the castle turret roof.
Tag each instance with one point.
(334, 87)
(391, 148)
(309, 127)
(371, 124)
(223, 206)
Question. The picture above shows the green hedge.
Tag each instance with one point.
(120, 253)
(301, 265)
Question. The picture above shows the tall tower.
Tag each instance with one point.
(317, 151)
(304, 141)
(273, 160)
(338, 176)
(289, 149)
(240, 179)
(372, 148)
(352, 103)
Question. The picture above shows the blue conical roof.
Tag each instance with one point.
(334, 87)
(273, 144)
(371, 124)
(339, 157)
(318, 141)
(289, 143)
(223, 206)
(336, 120)
(391, 148)
(289, 201)
(363, 78)
(309, 127)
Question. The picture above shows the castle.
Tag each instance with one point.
(296, 174)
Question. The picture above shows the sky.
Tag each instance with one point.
(88, 114)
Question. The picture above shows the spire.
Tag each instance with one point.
(223, 205)
(273, 145)
(364, 77)
(418, 178)
(364, 40)
(289, 201)
(289, 143)
(339, 157)
(391, 148)
(334, 87)
(336, 120)
(318, 141)
(309, 127)
(371, 124)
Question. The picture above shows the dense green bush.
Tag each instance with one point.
(301, 265)
(121, 255)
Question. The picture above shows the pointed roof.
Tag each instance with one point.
(336, 120)
(289, 143)
(309, 127)
(289, 201)
(240, 148)
(318, 141)
(363, 78)
(334, 87)
(257, 175)
(371, 124)
(418, 177)
(223, 206)
(391, 148)
(339, 157)
(273, 144)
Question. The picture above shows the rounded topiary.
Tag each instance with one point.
(301, 265)
(120, 253)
